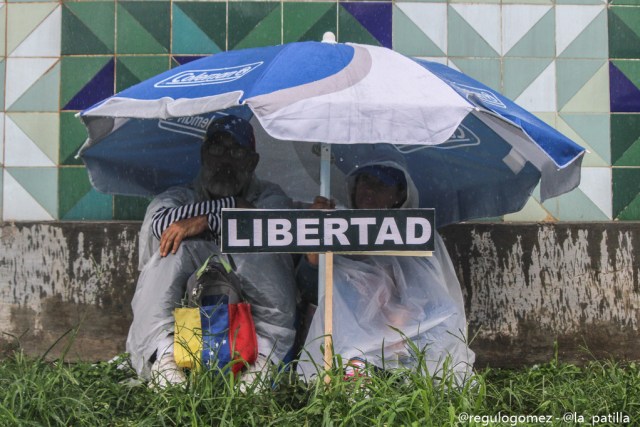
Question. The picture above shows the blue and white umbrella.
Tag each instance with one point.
(472, 152)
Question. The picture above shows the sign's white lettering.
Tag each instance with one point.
(320, 231)
(279, 232)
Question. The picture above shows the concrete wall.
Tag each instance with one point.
(526, 286)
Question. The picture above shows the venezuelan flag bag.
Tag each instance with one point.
(216, 328)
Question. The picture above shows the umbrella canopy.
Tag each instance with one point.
(472, 152)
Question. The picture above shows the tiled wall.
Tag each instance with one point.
(575, 63)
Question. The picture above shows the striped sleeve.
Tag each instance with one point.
(164, 217)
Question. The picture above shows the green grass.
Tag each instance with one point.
(35, 392)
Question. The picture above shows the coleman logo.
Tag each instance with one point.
(207, 77)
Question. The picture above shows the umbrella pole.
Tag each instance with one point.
(325, 272)
(328, 315)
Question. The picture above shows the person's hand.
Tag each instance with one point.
(319, 202)
(243, 204)
(180, 230)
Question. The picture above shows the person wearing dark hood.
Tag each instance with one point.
(180, 231)
(387, 307)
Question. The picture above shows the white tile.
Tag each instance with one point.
(593, 97)
(540, 95)
(595, 183)
(44, 40)
(571, 20)
(20, 150)
(517, 20)
(484, 19)
(431, 18)
(22, 73)
(18, 204)
(23, 18)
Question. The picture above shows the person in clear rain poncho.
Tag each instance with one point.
(181, 230)
(374, 297)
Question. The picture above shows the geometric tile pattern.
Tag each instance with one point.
(308, 21)
(574, 63)
(254, 24)
(624, 85)
(143, 27)
(132, 69)
(85, 81)
(199, 28)
(78, 200)
(363, 22)
(89, 28)
(625, 139)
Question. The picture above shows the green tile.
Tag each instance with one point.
(631, 69)
(539, 41)
(43, 95)
(631, 212)
(78, 200)
(131, 70)
(72, 135)
(41, 183)
(88, 28)
(74, 184)
(484, 70)
(308, 21)
(129, 208)
(42, 129)
(409, 39)
(625, 2)
(199, 28)
(624, 32)
(143, 27)
(22, 19)
(626, 192)
(254, 24)
(572, 75)
(625, 139)
(594, 129)
(592, 41)
(519, 73)
(350, 30)
(463, 39)
(574, 206)
(77, 72)
(93, 206)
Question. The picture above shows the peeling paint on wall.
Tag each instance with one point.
(53, 275)
(526, 286)
(562, 279)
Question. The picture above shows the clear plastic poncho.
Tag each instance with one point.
(380, 303)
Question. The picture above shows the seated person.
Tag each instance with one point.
(181, 230)
(375, 295)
